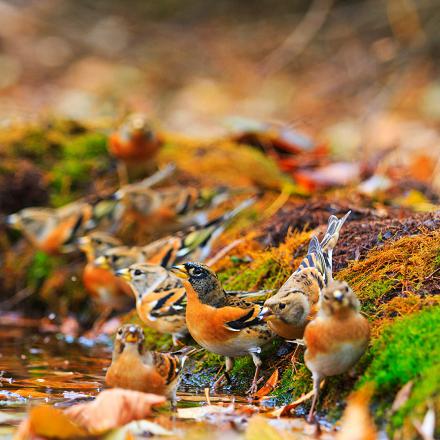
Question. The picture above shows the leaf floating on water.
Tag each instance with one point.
(269, 386)
(141, 428)
(113, 408)
(31, 394)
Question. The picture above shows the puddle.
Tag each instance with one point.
(38, 367)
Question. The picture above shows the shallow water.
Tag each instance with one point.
(40, 366)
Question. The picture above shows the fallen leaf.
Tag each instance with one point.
(356, 422)
(285, 410)
(402, 396)
(113, 408)
(259, 428)
(138, 428)
(30, 393)
(427, 428)
(199, 412)
(269, 386)
(47, 421)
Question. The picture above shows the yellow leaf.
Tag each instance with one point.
(47, 421)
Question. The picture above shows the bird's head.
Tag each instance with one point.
(97, 243)
(116, 258)
(291, 308)
(203, 281)
(338, 298)
(129, 337)
(143, 278)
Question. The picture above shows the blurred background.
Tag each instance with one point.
(352, 69)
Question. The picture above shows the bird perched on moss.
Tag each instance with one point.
(161, 298)
(223, 324)
(53, 230)
(134, 142)
(337, 337)
(295, 303)
(108, 291)
(135, 368)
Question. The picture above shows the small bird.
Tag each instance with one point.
(173, 203)
(108, 291)
(161, 298)
(337, 337)
(52, 230)
(134, 142)
(220, 323)
(194, 243)
(295, 303)
(135, 368)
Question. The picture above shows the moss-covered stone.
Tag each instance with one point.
(407, 350)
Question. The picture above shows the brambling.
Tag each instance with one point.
(161, 298)
(135, 368)
(52, 230)
(134, 142)
(220, 323)
(337, 337)
(170, 203)
(195, 242)
(295, 303)
(107, 290)
(331, 236)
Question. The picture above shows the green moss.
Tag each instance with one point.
(373, 292)
(40, 268)
(86, 146)
(407, 350)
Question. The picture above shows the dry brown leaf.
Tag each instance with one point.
(269, 386)
(30, 393)
(285, 410)
(113, 408)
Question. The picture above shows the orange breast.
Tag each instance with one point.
(98, 281)
(135, 148)
(284, 330)
(57, 237)
(129, 372)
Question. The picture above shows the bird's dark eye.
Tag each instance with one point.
(97, 241)
(137, 272)
(120, 331)
(115, 258)
(326, 297)
(196, 271)
(282, 306)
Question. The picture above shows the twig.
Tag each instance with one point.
(298, 40)
(223, 252)
(431, 274)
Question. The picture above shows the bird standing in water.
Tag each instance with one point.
(135, 368)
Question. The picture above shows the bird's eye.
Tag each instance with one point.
(282, 306)
(196, 271)
(326, 297)
(115, 258)
(98, 241)
(120, 331)
(137, 272)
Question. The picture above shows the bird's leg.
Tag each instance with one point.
(176, 341)
(316, 381)
(258, 363)
(229, 363)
